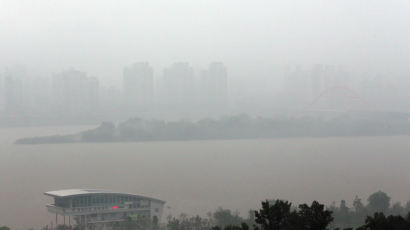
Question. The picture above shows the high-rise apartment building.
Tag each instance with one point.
(74, 92)
(179, 88)
(214, 86)
(138, 85)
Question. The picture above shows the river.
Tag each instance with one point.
(198, 176)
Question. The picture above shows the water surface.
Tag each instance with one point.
(198, 176)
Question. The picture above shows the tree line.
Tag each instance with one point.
(377, 214)
(234, 127)
(354, 216)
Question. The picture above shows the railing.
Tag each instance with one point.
(93, 209)
(105, 220)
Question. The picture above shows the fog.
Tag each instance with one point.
(204, 103)
(258, 41)
(253, 38)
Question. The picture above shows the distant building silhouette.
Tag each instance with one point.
(325, 76)
(179, 91)
(297, 90)
(214, 86)
(14, 90)
(387, 93)
(317, 78)
(138, 85)
(329, 80)
(37, 95)
(74, 92)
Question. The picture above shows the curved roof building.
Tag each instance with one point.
(102, 209)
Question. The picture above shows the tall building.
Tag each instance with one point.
(75, 93)
(330, 88)
(179, 88)
(37, 92)
(14, 90)
(138, 85)
(297, 90)
(101, 209)
(326, 76)
(214, 86)
(317, 78)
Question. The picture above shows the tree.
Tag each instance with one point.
(250, 221)
(378, 202)
(360, 212)
(173, 223)
(190, 223)
(358, 205)
(155, 223)
(314, 217)
(407, 208)
(273, 217)
(224, 217)
(62, 227)
(243, 226)
(380, 222)
(279, 216)
(344, 214)
(4, 228)
(137, 222)
(235, 227)
(105, 132)
(130, 223)
(397, 209)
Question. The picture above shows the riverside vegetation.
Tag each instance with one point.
(377, 214)
(237, 127)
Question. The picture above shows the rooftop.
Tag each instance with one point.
(79, 192)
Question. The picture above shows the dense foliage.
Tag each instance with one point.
(278, 214)
(281, 215)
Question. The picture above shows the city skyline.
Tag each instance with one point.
(181, 91)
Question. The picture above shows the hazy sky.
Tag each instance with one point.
(254, 38)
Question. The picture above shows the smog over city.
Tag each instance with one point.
(204, 115)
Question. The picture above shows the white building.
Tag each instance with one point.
(100, 209)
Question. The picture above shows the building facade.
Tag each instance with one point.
(96, 209)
